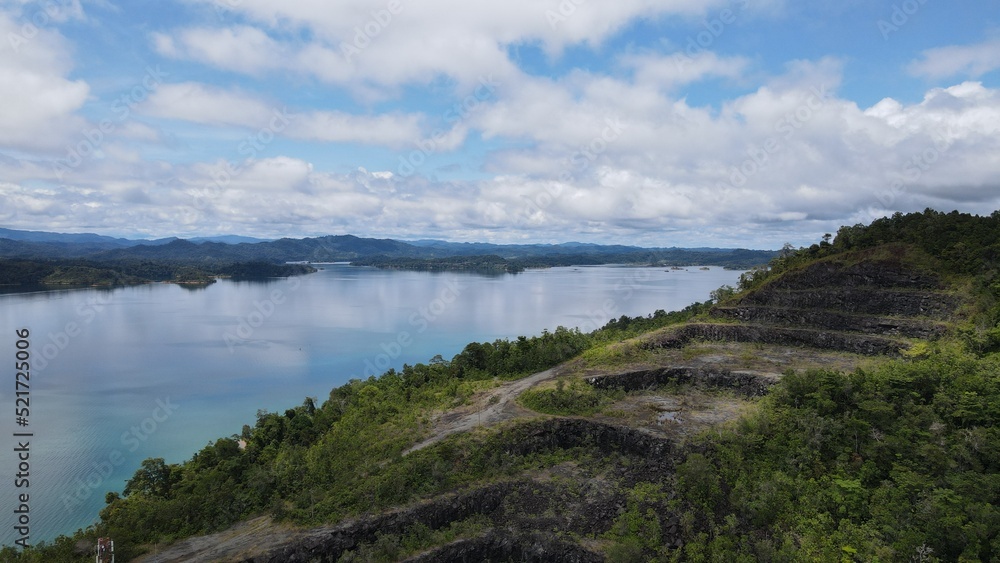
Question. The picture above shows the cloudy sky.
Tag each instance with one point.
(654, 122)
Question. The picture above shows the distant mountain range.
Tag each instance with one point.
(94, 239)
(45, 245)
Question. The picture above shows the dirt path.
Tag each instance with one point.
(256, 536)
(495, 406)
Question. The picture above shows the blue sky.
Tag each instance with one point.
(660, 123)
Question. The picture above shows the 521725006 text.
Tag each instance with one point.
(22, 437)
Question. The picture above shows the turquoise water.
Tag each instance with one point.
(160, 370)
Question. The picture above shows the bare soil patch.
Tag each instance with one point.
(487, 408)
(677, 413)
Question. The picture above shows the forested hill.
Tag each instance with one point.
(842, 404)
(47, 274)
(26, 245)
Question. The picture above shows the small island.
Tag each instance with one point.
(490, 264)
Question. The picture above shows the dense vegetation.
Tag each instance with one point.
(897, 462)
(901, 463)
(573, 399)
(262, 270)
(489, 264)
(958, 243)
(129, 272)
(29, 272)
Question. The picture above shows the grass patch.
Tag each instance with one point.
(575, 399)
(617, 354)
(693, 350)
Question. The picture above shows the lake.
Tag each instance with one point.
(160, 370)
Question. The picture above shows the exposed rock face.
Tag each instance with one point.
(872, 287)
(830, 320)
(868, 273)
(867, 301)
(572, 432)
(763, 334)
(743, 382)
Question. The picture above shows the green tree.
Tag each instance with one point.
(153, 479)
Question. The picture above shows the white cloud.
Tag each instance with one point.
(782, 151)
(387, 43)
(394, 130)
(35, 94)
(615, 152)
(273, 175)
(210, 105)
(954, 112)
(679, 69)
(202, 103)
(64, 11)
(958, 60)
(241, 49)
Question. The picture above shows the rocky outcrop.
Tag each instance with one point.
(760, 334)
(742, 382)
(866, 273)
(884, 287)
(565, 433)
(858, 300)
(830, 320)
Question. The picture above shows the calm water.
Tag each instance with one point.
(160, 370)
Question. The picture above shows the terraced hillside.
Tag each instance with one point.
(839, 313)
(570, 486)
(873, 297)
(870, 306)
